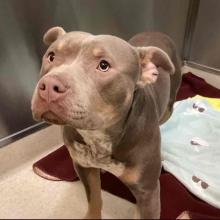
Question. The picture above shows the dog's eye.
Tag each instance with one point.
(51, 56)
(103, 66)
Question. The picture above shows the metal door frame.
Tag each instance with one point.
(188, 37)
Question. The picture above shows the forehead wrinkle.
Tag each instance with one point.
(98, 52)
(71, 40)
(61, 45)
(114, 47)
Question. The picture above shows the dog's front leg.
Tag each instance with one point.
(148, 202)
(90, 178)
(147, 193)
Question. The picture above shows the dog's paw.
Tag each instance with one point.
(90, 215)
(136, 213)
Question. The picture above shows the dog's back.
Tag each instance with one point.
(164, 42)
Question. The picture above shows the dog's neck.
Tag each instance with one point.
(92, 137)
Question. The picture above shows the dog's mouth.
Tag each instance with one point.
(52, 118)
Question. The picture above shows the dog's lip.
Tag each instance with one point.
(55, 113)
(78, 115)
(51, 117)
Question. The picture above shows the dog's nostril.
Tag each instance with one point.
(56, 89)
(42, 86)
(59, 89)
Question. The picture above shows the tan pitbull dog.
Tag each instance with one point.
(110, 97)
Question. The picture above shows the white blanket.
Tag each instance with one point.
(191, 146)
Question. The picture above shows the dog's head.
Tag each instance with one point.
(88, 81)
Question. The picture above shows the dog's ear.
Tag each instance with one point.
(151, 60)
(53, 34)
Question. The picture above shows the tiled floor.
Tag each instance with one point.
(26, 195)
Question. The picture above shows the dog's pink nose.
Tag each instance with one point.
(50, 89)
